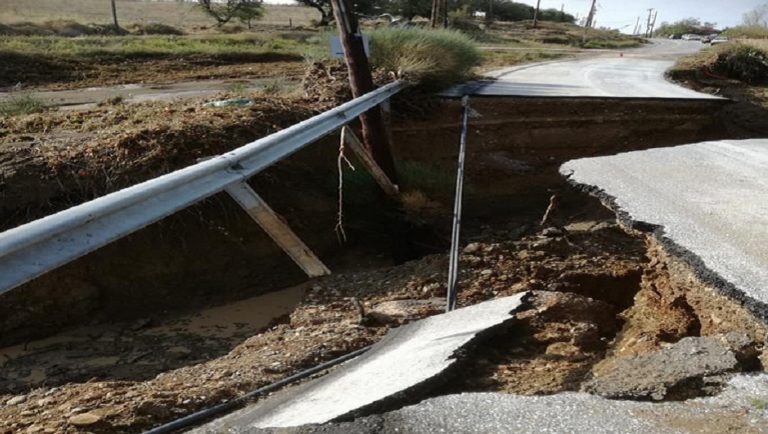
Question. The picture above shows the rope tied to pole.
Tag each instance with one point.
(339, 229)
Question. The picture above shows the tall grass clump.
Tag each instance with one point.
(434, 58)
(743, 62)
(22, 103)
(751, 32)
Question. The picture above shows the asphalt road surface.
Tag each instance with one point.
(709, 199)
(635, 73)
(739, 408)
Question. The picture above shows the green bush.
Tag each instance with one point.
(434, 58)
(21, 103)
(743, 62)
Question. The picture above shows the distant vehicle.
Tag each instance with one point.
(691, 37)
(674, 36)
(719, 40)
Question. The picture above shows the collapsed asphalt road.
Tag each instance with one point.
(740, 408)
(637, 73)
(409, 357)
(709, 202)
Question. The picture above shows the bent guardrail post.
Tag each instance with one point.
(45, 244)
(277, 229)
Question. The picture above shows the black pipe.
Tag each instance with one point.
(221, 408)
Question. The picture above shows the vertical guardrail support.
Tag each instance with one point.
(277, 229)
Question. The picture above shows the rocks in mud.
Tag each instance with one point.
(85, 419)
(401, 311)
(16, 400)
(680, 371)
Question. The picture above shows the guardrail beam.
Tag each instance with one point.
(277, 229)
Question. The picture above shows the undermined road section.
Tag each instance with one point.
(143, 345)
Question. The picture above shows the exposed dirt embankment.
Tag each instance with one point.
(213, 251)
(655, 332)
(516, 145)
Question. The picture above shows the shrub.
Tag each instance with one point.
(753, 32)
(22, 103)
(155, 29)
(435, 58)
(743, 62)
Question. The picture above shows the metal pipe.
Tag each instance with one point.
(453, 266)
(229, 405)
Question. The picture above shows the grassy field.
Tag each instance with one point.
(183, 15)
(38, 50)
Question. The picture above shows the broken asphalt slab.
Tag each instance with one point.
(741, 407)
(706, 202)
(407, 358)
(678, 371)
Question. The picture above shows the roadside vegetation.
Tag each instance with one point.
(43, 44)
(437, 57)
(21, 103)
(745, 61)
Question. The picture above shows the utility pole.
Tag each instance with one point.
(489, 16)
(361, 82)
(588, 22)
(648, 26)
(536, 14)
(636, 30)
(114, 16)
(653, 23)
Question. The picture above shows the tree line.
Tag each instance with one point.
(502, 10)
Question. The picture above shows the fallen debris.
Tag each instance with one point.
(408, 358)
(680, 371)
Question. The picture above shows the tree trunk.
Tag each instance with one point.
(361, 82)
(114, 16)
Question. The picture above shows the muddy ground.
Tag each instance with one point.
(600, 294)
(163, 333)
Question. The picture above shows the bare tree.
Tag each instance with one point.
(322, 6)
(756, 17)
(223, 12)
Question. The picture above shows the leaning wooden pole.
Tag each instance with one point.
(361, 81)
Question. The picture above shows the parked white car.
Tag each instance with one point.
(691, 37)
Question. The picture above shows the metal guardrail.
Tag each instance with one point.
(45, 244)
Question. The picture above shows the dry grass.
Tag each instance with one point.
(761, 44)
(182, 15)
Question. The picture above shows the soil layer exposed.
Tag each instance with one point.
(142, 345)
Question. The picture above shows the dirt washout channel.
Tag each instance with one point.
(594, 284)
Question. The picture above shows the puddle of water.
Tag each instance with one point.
(222, 321)
(134, 350)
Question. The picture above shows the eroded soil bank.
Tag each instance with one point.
(155, 330)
